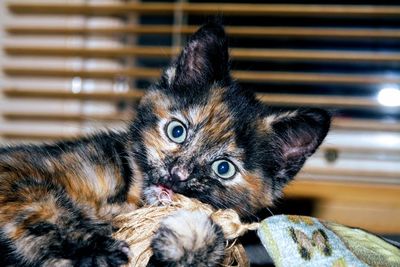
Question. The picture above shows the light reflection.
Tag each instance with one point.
(389, 96)
(76, 85)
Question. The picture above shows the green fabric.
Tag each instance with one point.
(305, 241)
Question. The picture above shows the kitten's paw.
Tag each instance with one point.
(188, 239)
(107, 252)
(90, 244)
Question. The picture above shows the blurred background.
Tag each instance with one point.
(71, 67)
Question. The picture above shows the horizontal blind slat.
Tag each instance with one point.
(243, 31)
(18, 116)
(244, 76)
(204, 8)
(347, 172)
(237, 53)
(132, 94)
(319, 101)
(365, 124)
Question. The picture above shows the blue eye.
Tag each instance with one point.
(176, 131)
(223, 168)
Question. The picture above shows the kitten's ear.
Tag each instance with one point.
(204, 59)
(293, 137)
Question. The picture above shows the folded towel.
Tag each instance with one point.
(293, 240)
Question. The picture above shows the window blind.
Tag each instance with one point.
(74, 67)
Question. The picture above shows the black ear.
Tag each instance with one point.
(294, 136)
(203, 61)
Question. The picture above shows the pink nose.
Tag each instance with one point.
(179, 173)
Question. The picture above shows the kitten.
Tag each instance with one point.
(196, 133)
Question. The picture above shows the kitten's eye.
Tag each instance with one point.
(176, 131)
(223, 168)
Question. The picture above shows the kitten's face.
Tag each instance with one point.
(204, 137)
(194, 150)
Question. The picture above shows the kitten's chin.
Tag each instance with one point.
(158, 195)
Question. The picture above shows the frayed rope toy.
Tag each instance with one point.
(137, 228)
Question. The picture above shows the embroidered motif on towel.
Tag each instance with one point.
(306, 246)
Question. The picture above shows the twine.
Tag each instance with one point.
(137, 228)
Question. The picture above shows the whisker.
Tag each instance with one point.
(270, 211)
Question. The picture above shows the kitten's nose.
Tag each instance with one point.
(178, 173)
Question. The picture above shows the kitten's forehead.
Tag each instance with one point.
(212, 118)
(209, 119)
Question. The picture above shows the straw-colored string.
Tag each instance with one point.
(138, 227)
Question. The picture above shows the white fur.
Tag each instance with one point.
(193, 230)
(58, 263)
(170, 73)
(267, 121)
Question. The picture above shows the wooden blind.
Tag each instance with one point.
(72, 67)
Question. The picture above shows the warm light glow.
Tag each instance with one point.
(389, 96)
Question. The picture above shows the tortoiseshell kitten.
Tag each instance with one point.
(196, 133)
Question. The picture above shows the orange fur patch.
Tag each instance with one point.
(260, 196)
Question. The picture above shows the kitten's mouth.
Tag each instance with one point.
(158, 194)
(165, 194)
